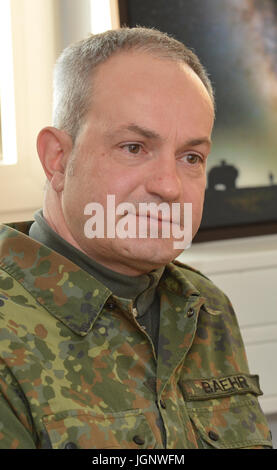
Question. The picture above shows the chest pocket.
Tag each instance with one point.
(81, 429)
(225, 412)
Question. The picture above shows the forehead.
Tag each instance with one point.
(144, 68)
(152, 88)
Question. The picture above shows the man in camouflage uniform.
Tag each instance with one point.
(107, 342)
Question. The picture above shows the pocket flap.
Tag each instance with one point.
(84, 429)
(231, 424)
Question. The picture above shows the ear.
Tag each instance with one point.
(54, 147)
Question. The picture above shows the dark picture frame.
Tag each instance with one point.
(230, 211)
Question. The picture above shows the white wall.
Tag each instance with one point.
(75, 21)
(35, 39)
(40, 30)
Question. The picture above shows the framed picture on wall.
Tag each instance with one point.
(236, 40)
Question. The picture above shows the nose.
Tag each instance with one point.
(163, 180)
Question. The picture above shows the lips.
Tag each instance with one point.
(161, 219)
(154, 216)
(160, 215)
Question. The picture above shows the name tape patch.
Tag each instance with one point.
(201, 389)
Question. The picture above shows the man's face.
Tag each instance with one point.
(145, 139)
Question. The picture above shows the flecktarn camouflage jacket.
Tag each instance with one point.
(78, 371)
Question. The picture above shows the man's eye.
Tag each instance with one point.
(133, 148)
(193, 158)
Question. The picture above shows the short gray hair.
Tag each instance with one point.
(74, 68)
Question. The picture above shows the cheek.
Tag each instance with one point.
(194, 189)
(123, 183)
(199, 200)
(194, 192)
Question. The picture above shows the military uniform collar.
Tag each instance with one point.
(177, 282)
(68, 292)
(141, 287)
(198, 286)
(65, 290)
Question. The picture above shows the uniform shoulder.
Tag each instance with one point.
(214, 295)
(190, 269)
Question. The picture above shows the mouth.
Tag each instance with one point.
(154, 217)
(160, 220)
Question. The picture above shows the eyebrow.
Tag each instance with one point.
(150, 134)
(143, 131)
(200, 141)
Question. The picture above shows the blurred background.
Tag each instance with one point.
(237, 41)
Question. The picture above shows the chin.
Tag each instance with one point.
(150, 251)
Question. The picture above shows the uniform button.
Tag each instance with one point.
(110, 305)
(138, 440)
(213, 435)
(163, 405)
(190, 312)
(70, 445)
